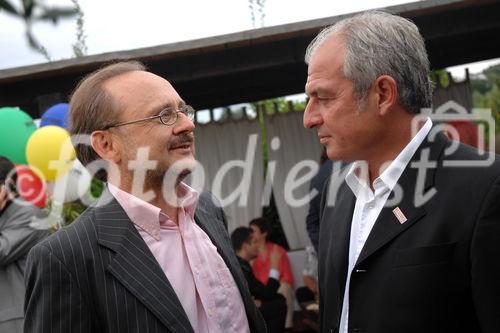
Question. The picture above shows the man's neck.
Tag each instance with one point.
(389, 147)
(155, 196)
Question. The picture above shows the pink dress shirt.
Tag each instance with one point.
(199, 276)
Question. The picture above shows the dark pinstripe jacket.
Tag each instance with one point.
(98, 275)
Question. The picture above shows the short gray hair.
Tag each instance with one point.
(379, 43)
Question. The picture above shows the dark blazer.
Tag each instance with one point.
(259, 290)
(437, 272)
(98, 275)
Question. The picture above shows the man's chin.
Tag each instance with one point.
(336, 154)
(181, 168)
(183, 174)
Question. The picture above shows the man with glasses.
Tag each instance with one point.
(152, 255)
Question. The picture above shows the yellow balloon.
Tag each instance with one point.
(49, 150)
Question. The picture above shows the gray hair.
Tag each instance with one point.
(379, 43)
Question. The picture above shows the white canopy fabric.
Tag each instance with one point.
(296, 160)
(232, 158)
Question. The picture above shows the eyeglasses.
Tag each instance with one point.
(167, 116)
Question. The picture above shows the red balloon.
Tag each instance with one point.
(30, 187)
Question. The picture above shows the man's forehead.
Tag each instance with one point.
(139, 87)
(135, 80)
(333, 48)
(326, 62)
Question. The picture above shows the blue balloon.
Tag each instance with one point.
(56, 115)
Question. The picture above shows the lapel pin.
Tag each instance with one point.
(399, 215)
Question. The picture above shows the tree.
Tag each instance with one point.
(32, 11)
(486, 92)
(80, 47)
(257, 7)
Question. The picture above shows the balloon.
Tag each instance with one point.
(30, 187)
(16, 127)
(72, 186)
(49, 149)
(56, 115)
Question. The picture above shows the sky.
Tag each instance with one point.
(114, 25)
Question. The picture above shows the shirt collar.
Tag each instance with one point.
(147, 216)
(357, 177)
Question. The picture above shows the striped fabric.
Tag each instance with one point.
(98, 275)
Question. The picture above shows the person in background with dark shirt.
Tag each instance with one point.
(271, 304)
(317, 183)
(312, 218)
(17, 237)
(261, 264)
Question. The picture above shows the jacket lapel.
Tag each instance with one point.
(135, 267)
(387, 225)
(336, 239)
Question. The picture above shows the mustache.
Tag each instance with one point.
(184, 138)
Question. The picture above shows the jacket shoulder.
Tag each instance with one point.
(73, 239)
(472, 162)
(21, 211)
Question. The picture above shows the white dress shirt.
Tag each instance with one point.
(369, 204)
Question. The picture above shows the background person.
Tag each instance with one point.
(270, 303)
(261, 265)
(17, 237)
(309, 292)
(317, 184)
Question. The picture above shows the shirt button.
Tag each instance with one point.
(371, 205)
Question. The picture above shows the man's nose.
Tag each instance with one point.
(312, 117)
(183, 124)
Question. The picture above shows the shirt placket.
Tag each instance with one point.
(202, 279)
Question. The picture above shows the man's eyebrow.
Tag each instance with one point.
(312, 92)
(167, 105)
(156, 110)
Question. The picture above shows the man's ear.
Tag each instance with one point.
(105, 145)
(386, 92)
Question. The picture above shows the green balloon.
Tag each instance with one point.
(16, 127)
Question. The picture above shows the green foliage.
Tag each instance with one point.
(96, 188)
(279, 104)
(440, 76)
(269, 107)
(67, 213)
(71, 211)
(486, 92)
(480, 86)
